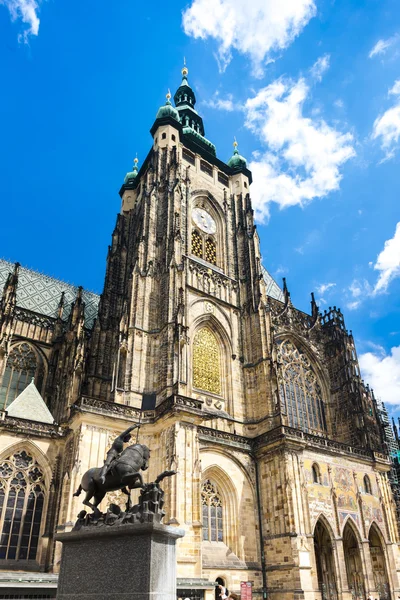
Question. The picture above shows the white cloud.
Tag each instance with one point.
(395, 90)
(387, 126)
(320, 66)
(27, 11)
(358, 291)
(382, 372)
(259, 28)
(222, 103)
(382, 46)
(388, 262)
(303, 156)
(324, 287)
(353, 305)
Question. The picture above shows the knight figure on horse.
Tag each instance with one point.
(119, 472)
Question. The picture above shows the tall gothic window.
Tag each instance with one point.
(206, 362)
(210, 251)
(299, 390)
(22, 365)
(212, 513)
(21, 507)
(197, 244)
(204, 247)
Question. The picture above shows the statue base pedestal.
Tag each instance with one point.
(135, 561)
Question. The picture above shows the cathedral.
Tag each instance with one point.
(284, 477)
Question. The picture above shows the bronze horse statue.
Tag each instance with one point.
(123, 474)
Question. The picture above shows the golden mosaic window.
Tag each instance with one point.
(197, 244)
(206, 362)
(211, 251)
(299, 390)
(21, 507)
(212, 513)
(22, 365)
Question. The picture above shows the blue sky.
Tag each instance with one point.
(311, 90)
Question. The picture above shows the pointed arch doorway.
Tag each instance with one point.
(325, 562)
(378, 561)
(352, 557)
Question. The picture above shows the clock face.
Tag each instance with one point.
(203, 220)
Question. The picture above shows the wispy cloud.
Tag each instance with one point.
(219, 103)
(382, 372)
(388, 262)
(303, 155)
(388, 265)
(320, 67)
(258, 29)
(387, 126)
(324, 287)
(27, 11)
(357, 292)
(382, 46)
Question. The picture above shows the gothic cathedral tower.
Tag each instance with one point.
(281, 457)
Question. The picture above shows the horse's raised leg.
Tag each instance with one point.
(128, 502)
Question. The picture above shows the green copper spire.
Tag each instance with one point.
(130, 177)
(237, 161)
(167, 110)
(185, 101)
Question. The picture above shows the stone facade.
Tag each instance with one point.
(281, 457)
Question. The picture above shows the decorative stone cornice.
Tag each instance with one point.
(113, 409)
(25, 427)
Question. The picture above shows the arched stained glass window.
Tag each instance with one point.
(21, 507)
(206, 362)
(211, 251)
(22, 365)
(299, 390)
(197, 244)
(212, 514)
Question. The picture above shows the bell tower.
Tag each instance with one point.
(184, 282)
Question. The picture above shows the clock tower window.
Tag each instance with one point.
(197, 244)
(211, 251)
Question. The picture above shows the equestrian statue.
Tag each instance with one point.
(121, 471)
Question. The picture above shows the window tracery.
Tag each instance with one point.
(212, 513)
(22, 495)
(210, 251)
(299, 390)
(206, 362)
(197, 244)
(22, 366)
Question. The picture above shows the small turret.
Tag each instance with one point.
(131, 176)
(167, 110)
(236, 161)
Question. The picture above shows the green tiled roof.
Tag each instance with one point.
(41, 294)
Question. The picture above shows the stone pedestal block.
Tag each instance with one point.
(135, 561)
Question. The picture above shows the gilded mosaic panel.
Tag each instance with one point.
(206, 362)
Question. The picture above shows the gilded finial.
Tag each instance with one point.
(235, 146)
(135, 163)
(168, 96)
(185, 70)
